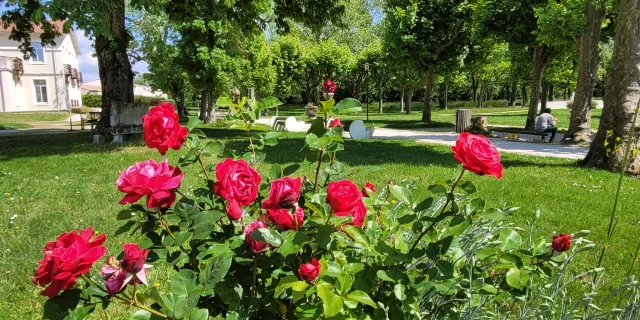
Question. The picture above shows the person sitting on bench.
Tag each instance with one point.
(547, 123)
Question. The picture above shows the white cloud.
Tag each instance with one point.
(89, 63)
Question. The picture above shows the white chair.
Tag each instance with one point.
(357, 130)
(293, 125)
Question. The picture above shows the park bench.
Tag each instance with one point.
(503, 130)
(286, 124)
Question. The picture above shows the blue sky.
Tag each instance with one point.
(89, 63)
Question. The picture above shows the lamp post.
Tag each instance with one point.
(366, 83)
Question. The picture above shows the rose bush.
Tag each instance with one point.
(254, 243)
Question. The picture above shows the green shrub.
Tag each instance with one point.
(92, 101)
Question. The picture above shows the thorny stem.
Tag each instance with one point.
(132, 302)
(253, 148)
(320, 155)
(623, 168)
(206, 174)
(433, 224)
(255, 276)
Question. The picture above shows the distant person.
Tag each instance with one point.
(547, 123)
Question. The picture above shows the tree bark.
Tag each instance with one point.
(181, 108)
(380, 94)
(203, 106)
(588, 61)
(474, 87)
(513, 94)
(550, 92)
(426, 111)
(402, 99)
(544, 95)
(524, 95)
(482, 93)
(539, 64)
(116, 76)
(409, 98)
(211, 108)
(442, 95)
(621, 96)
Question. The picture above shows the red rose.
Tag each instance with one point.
(157, 181)
(478, 155)
(162, 129)
(367, 188)
(237, 181)
(256, 246)
(335, 122)
(561, 242)
(328, 86)
(343, 195)
(133, 263)
(358, 211)
(284, 193)
(309, 271)
(285, 220)
(70, 256)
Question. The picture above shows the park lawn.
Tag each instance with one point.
(393, 118)
(12, 126)
(58, 183)
(23, 120)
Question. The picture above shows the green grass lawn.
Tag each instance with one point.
(22, 120)
(393, 118)
(58, 183)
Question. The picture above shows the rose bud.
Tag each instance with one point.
(561, 242)
(285, 220)
(335, 122)
(368, 188)
(309, 271)
(234, 210)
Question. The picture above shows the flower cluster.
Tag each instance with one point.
(118, 274)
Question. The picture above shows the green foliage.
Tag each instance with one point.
(92, 100)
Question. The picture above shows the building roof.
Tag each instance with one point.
(37, 29)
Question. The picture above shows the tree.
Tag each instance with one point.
(288, 64)
(516, 22)
(428, 32)
(621, 97)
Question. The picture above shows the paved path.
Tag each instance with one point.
(519, 147)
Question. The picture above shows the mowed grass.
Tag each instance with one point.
(23, 120)
(54, 184)
(393, 118)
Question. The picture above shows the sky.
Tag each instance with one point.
(89, 63)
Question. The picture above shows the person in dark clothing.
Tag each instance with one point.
(547, 123)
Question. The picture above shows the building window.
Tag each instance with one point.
(38, 51)
(40, 87)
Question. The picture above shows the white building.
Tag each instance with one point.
(95, 87)
(48, 82)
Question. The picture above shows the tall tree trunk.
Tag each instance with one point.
(181, 107)
(402, 99)
(544, 95)
(483, 87)
(621, 96)
(550, 92)
(426, 111)
(588, 61)
(409, 98)
(442, 95)
(446, 95)
(524, 95)
(116, 76)
(211, 108)
(539, 64)
(513, 95)
(380, 94)
(203, 106)
(474, 87)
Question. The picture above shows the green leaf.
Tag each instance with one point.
(181, 237)
(317, 127)
(348, 105)
(214, 148)
(269, 102)
(144, 315)
(353, 268)
(398, 291)
(324, 238)
(357, 234)
(293, 243)
(468, 187)
(401, 193)
(315, 142)
(509, 239)
(193, 122)
(284, 284)
(513, 278)
(275, 172)
(290, 169)
(183, 283)
(57, 308)
(438, 188)
(199, 314)
(332, 302)
(79, 313)
(215, 270)
(361, 297)
(494, 214)
(125, 214)
(272, 237)
(345, 282)
(224, 102)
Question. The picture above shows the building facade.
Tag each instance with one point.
(50, 81)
